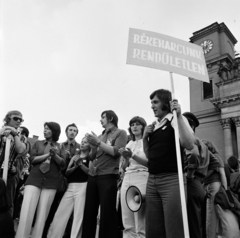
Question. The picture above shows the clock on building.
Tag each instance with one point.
(207, 46)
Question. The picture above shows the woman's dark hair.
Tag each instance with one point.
(55, 128)
(111, 116)
(233, 162)
(141, 121)
(73, 125)
(164, 96)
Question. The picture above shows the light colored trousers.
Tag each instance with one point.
(41, 199)
(212, 221)
(133, 222)
(73, 200)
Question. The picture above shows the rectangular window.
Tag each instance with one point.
(207, 90)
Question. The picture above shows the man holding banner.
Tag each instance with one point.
(12, 121)
(159, 51)
(163, 206)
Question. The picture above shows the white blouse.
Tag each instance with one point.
(137, 149)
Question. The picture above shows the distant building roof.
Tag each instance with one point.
(33, 139)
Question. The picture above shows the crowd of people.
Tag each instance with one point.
(75, 190)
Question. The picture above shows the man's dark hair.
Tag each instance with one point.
(141, 121)
(111, 116)
(164, 96)
(25, 131)
(55, 128)
(73, 125)
(233, 162)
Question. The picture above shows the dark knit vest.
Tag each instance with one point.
(162, 156)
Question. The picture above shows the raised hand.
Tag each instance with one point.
(148, 131)
(92, 139)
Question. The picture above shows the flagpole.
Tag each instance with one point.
(179, 164)
(6, 158)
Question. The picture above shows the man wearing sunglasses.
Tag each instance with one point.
(12, 122)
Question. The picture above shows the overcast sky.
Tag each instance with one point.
(65, 60)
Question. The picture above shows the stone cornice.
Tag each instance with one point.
(207, 113)
(224, 28)
(220, 59)
(226, 101)
(212, 28)
(229, 81)
(204, 31)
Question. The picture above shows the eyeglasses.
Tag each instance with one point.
(17, 119)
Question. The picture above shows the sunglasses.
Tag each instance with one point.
(17, 119)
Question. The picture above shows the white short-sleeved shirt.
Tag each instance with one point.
(137, 148)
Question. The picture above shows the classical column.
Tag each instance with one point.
(236, 121)
(226, 124)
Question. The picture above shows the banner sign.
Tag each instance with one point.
(158, 51)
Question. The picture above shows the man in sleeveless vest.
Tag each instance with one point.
(163, 205)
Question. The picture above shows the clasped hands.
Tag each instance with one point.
(93, 139)
(53, 151)
(77, 161)
(125, 152)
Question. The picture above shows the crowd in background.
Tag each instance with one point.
(75, 190)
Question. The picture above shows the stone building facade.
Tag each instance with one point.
(217, 104)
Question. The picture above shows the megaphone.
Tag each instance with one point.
(134, 198)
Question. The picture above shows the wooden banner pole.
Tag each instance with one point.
(179, 164)
(6, 158)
